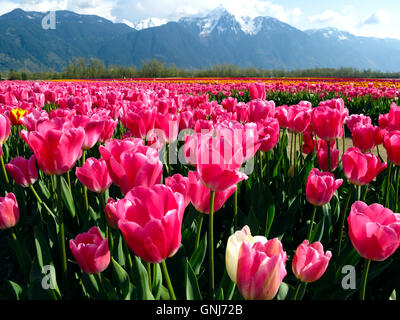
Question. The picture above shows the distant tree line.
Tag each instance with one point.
(96, 69)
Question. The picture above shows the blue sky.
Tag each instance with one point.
(360, 17)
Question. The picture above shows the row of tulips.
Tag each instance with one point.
(110, 185)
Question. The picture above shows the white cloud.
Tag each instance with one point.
(378, 17)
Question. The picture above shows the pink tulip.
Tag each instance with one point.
(282, 114)
(327, 123)
(151, 222)
(109, 127)
(94, 175)
(261, 109)
(23, 171)
(257, 91)
(112, 214)
(366, 137)
(393, 118)
(9, 211)
(32, 118)
(139, 121)
(268, 132)
(261, 268)
(310, 262)
(56, 145)
(383, 121)
(186, 120)
(374, 230)
(5, 128)
(91, 251)
(320, 187)
(322, 157)
(218, 163)
(355, 119)
(299, 118)
(200, 195)
(391, 143)
(93, 130)
(359, 168)
(168, 127)
(180, 184)
(131, 164)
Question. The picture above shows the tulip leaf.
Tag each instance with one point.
(157, 281)
(37, 287)
(44, 189)
(191, 284)
(393, 295)
(198, 255)
(13, 290)
(141, 280)
(318, 231)
(45, 259)
(227, 286)
(67, 197)
(122, 278)
(90, 285)
(283, 291)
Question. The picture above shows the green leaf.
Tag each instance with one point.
(198, 256)
(283, 291)
(13, 290)
(66, 196)
(44, 257)
(44, 189)
(393, 295)
(227, 286)
(122, 278)
(191, 284)
(141, 280)
(91, 286)
(157, 281)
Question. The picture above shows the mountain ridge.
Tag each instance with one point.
(190, 42)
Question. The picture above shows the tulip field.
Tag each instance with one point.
(200, 189)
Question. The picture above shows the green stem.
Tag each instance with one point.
(168, 280)
(364, 279)
(100, 281)
(167, 164)
(260, 158)
(329, 156)
(397, 189)
(344, 140)
(4, 169)
(199, 230)
(343, 216)
(148, 267)
(41, 201)
(388, 184)
(295, 154)
(312, 222)
(211, 244)
(84, 187)
(102, 213)
(61, 235)
(299, 286)
(69, 182)
(235, 208)
(291, 149)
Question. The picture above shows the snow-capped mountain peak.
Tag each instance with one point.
(149, 23)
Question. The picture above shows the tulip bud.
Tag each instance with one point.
(91, 251)
(23, 171)
(310, 262)
(9, 211)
